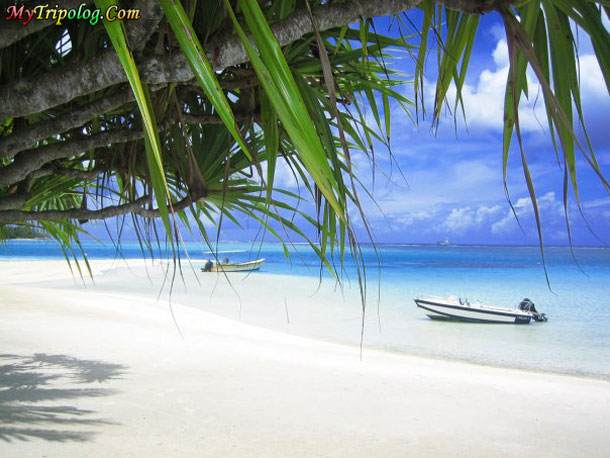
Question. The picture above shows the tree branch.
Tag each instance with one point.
(12, 201)
(140, 31)
(105, 67)
(20, 216)
(36, 94)
(32, 160)
(136, 207)
(474, 6)
(27, 136)
(239, 83)
(176, 206)
(71, 173)
(32, 95)
(215, 119)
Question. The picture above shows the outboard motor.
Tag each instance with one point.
(528, 306)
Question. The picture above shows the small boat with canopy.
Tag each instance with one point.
(227, 266)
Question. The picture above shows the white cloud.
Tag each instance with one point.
(443, 220)
(438, 185)
(461, 220)
(458, 221)
(592, 83)
(494, 220)
(485, 214)
(455, 187)
(484, 100)
(490, 221)
(283, 178)
(596, 203)
(413, 218)
(548, 205)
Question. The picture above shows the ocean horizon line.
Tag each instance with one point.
(367, 244)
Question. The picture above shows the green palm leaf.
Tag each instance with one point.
(198, 61)
(116, 32)
(279, 84)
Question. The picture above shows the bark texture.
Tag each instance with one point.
(33, 95)
(137, 207)
(474, 6)
(32, 160)
(20, 216)
(27, 136)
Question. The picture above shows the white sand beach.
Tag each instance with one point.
(100, 373)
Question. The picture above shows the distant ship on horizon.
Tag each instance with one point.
(444, 242)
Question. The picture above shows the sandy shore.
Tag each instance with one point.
(97, 373)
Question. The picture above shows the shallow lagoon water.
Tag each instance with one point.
(576, 340)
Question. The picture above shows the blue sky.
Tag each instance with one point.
(452, 185)
(454, 182)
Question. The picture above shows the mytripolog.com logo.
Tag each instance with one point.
(44, 12)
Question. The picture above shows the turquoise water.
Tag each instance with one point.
(576, 339)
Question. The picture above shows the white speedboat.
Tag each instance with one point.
(456, 309)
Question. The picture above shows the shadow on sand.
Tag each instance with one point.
(34, 389)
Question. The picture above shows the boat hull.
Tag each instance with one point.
(238, 267)
(465, 312)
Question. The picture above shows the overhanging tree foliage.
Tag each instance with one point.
(175, 114)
